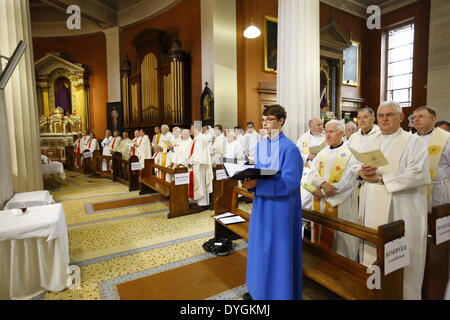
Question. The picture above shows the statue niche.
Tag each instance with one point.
(63, 95)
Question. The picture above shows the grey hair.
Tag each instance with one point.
(396, 105)
(312, 119)
(165, 126)
(369, 110)
(351, 123)
(339, 124)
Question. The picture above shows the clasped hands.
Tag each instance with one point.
(369, 173)
(327, 188)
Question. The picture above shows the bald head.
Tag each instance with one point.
(315, 126)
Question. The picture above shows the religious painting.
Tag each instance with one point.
(114, 116)
(352, 64)
(270, 43)
(207, 106)
(63, 96)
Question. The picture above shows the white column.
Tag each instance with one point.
(21, 100)
(439, 59)
(6, 185)
(113, 62)
(298, 79)
(219, 57)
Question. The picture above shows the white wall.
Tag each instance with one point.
(439, 59)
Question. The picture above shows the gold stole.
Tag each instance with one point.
(435, 147)
(324, 236)
(158, 136)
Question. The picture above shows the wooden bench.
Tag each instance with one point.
(122, 171)
(218, 186)
(344, 277)
(437, 260)
(178, 195)
(97, 162)
(72, 158)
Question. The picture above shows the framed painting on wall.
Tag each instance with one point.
(352, 65)
(270, 43)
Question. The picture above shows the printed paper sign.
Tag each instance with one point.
(442, 230)
(135, 166)
(221, 175)
(396, 255)
(181, 178)
(87, 155)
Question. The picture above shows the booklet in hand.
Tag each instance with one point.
(252, 173)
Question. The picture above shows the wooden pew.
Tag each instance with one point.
(218, 186)
(72, 158)
(344, 277)
(437, 260)
(178, 195)
(122, 171)
(97, 164)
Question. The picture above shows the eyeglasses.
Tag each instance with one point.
(268, 119)
(387, 115)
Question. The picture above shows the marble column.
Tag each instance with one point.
(298, 65)
(20, 98)
(219, 58)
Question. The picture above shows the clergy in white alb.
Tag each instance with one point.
(92, 144)
(117, 140)
(234, 150)
(200, 169)
(397, 191)
(350, 129)
(144, 150)
(125, 146)
(106, 145)
(182, 153)
(85, 140)
(438, 144)
(334, 173)
(366, 118)
(218, 146)
(164, 156)
(250, 142)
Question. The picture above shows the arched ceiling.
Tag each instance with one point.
(48, 17)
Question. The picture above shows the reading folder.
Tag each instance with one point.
(252, 173)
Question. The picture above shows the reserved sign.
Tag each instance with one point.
(442, 230)
(221, 175)
(396, 255)
(181, 179)
(135, 166)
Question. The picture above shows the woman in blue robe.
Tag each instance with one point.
(274, 262)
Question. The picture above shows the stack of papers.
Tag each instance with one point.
(229, 218)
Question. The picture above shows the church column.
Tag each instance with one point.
(219, 58)
(20, 98)
(298, 79)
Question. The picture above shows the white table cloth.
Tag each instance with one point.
(54, 168)
(34, 251)
(29, 199)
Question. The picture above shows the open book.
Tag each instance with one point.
(241, 171)
(373, 158)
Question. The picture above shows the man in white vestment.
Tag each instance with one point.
(176, 132)
(85, 141)
(250, 142)
(234, 150)
(125, 146)
(350, 129)
(444, 125)
(239, 135)
(144, 149)
(397, 191)
(182, 152)
(116, 142)
(164, 156)
(333, 174)
(93, 143)
(200, 169)
(106, 145)
(367, 128)
(438, 143)
(218, 146)
(314, 137)
(136, 140)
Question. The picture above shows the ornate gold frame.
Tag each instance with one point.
(358, 67)
(272, 19)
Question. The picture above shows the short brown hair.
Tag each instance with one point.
(275, 110)
(430, 110)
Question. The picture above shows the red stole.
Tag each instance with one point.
(89, 144)
(191, 175)
(79, 146)
(114, 142)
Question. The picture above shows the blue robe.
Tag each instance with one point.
(274, 262)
